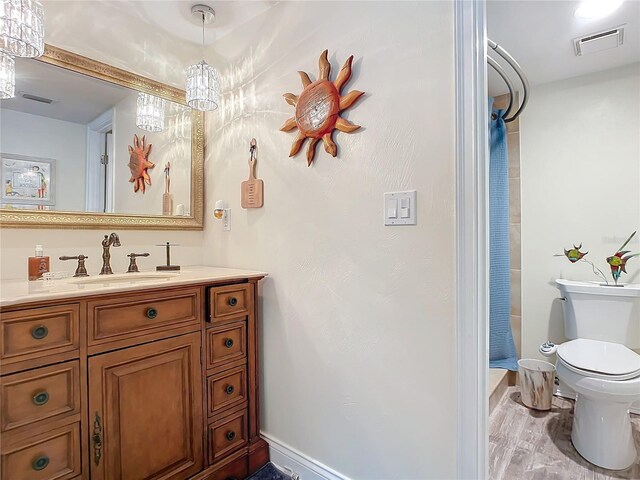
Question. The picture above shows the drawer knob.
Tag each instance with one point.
(152, 313)
(229, 389)
(39, 332)
(40, 398)
(228, 343)
(231, 435)
(40, 463)
(233, 301)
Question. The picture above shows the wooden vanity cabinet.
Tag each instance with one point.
(144, 410)
(151, 384)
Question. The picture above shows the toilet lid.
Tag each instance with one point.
(603, 358)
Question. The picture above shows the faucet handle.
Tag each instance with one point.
(81, 270)
(133, 267)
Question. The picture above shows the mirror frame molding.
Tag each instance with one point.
(87, 220)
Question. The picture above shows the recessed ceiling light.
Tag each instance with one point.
(593, 9)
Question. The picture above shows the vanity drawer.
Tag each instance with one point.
(235, 470)
(229, 302)
(227, 389)
(226, 343)
(135, 315)
(51, 455)
(40, 394)
(39, 332)
(227, 435)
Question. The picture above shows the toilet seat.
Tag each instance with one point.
(598, 359)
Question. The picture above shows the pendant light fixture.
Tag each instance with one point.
(7, 76)
(22, 28)
(150, 112)
(203, 82)
(21, 35)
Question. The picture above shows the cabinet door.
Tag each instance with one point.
(145, 406)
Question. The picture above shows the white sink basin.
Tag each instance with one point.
(124, 278)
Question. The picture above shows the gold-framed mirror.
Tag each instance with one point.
(67, 143)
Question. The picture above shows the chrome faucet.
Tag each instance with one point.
(109, 240)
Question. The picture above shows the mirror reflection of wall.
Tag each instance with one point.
(83, 126)
(579, 149)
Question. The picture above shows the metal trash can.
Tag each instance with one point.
(536, 383)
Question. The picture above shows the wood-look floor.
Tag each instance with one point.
(529, 445)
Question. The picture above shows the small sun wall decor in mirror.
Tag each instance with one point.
(150, 112)
(252, 191)
(139, 163)
(203, 81)
(21, 35)
(318, 109)
(617, 261)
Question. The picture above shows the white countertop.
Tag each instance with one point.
(15, 292)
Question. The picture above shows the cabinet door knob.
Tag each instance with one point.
(231, 435)
(152, 313)
(228, 343)
(229, 389)
(40, 463)
(39, 332)
(40, 398)
(233, 301)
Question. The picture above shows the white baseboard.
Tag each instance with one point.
(288, 459)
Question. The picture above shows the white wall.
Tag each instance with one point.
(580, 152)
(64, 142)
(126, 41)
(358, 341)
(358, 352)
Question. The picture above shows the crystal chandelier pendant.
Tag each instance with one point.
(22, 28)
(150, 112)
(7, 76)
(203, 82)
(203, 86)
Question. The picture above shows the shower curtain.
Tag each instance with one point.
(502, 350)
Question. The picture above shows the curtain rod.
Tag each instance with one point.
(516, 68)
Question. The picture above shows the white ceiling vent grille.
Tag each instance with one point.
(597, 42)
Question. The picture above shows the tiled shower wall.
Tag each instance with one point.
(513, 144)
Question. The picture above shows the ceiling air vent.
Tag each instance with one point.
(35, 98)
(596, 42)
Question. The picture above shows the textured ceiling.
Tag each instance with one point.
(539, 35)
(175, 18)
(76, 98)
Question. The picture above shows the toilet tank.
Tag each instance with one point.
(599, 312)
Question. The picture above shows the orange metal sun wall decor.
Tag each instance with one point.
(318, 109)
(139, 163)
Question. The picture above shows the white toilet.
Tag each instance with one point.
(603, 325)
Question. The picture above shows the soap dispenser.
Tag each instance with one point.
(38, 265)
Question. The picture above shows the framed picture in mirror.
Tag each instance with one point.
(27, 181)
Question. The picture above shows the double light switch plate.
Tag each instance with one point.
(400, 208)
